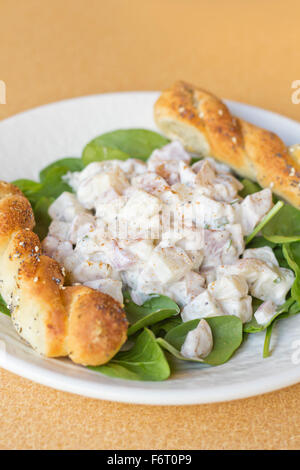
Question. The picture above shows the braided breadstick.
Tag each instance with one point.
(204, 125)
(79, 322)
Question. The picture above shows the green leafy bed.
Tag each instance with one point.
(156, 331)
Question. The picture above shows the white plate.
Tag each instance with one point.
(33, 139)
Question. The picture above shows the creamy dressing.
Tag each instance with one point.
(171, 228)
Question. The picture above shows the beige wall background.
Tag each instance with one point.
(246, 50)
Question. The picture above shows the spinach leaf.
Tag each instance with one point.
(266, 220)
(162, 327)
(3, 307)
(249, 188)
(294, 309)
(284, 227)
(144, 361)
(259, 242)
(155, 309)
(291, 253)
(30, 189)
(68, 164)
(266, 350)
(53, 185)
(122, 144)
(94, 152)
(195, 159)
(227, 334)
(278, 252)
(41, 216)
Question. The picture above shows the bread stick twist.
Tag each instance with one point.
(77, 321)
(204, 125)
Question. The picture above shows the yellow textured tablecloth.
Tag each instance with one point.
(245, 50)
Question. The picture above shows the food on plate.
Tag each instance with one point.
(195, 254)
(125, 226)
(76, 321)
(204, 124)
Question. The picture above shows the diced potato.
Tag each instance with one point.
(206, 173)
(166, 161)
(90, 271)
(140, 205)
(265, 282)
(265, 312)
(253, 208)
(169, 264)
(60, 230)
(65, 207)
(273, 287)
(81, 225)
(204, 305)
(228, 287)
(187, 288)
(198, 342)
(111, 287)
(226, 188)
(50, 245)
(173, 151)
(264, 253)
(92, 188)
(241, 308)
(212, 214)
(141, 249)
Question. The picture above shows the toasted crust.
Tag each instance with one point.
(294, 151)
(85, 324)
(204, 125)
(15, 213)
(97, 325)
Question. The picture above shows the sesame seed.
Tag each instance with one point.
(181, 109)
(292, 172)
(220, 112)
(21, 243)
(271, 184)
(36, 248)
(234, 140)
(293, 148)
(201, 115)
(35, 279)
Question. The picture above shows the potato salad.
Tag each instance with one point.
(173, 227)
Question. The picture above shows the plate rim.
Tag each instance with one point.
(227, 101)
(145, 396)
